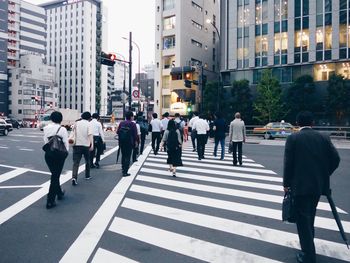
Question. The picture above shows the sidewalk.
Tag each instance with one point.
(339, 144)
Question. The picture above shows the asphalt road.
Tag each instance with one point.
(212, 212)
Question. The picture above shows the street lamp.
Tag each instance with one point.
(209, 21)
(123, 57)
(138, 78)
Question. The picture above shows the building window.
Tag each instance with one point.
(243, 34)
(281, 25)
(169, 42)
(261, 31)
(197, 25)
(344, 29)
(301, 35)
(196, 43)
(323, 30)
(169, 23)
(168, 4)
(198, 7)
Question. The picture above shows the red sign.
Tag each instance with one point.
(135, 94)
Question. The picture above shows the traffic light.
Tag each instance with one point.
(188, 83)
(189, 108)
(108, 59)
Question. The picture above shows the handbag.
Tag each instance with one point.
(288, 207)
(230, 147)
(72, 136)
(55, 146)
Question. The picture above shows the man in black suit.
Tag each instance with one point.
(309, 160)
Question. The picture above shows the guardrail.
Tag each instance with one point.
(335, 132)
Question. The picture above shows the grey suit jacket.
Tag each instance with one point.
(237, 131)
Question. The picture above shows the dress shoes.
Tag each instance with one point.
(126, 174)
(61, 195)
(302, 258)
(50, 205)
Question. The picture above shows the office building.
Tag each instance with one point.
(22, 31)
(3, 57)
(184, 43)
(75, 38)
(292, 37)
(33, 88)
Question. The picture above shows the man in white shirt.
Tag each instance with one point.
(156, 129)
(193, 131)
(164, 121)
(98, 137)
(202, 127)
(135, 151)
(237, 137)
(84, 144)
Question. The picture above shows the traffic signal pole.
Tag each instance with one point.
(130, 68)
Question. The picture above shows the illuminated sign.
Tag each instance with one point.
(178, 107)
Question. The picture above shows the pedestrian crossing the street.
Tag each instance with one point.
(211, 212)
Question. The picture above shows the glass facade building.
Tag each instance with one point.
(292, 37)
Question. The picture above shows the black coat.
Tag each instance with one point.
(309, 160)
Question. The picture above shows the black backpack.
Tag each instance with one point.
(143, 126)
(172, 142)
(55, 146)
(124, 135)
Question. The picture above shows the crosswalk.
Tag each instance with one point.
(212, 212)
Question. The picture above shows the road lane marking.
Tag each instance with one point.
(29, 170)
(4, 147)
(12, 174)
(218, 172)
(103, 256)
(84, 245)
(278, 237)
(19, 186)
(321, 205)
(18, 207)
(225, 191)
(209, 157)
(185, 245)
(218, 180)
(25, 149)
(320, 222)
(210, 161)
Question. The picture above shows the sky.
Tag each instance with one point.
(124, 16)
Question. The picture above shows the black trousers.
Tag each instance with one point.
(193, 138)
(78, 152)
(142, 144)
(97, 150)
(237, 145)
(306, 211)
(155, 141)
(201, 141)
(126, 151)
(55, 166)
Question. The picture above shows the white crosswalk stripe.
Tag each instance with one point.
(216, 197)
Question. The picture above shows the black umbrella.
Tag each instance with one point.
(336, 217)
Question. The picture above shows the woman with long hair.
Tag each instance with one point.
(172, 138)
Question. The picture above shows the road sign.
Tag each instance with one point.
(135, 93)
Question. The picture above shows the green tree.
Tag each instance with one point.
(241, 100)
(268, 105)
(338, 101)
(210, 97)
(300, 97)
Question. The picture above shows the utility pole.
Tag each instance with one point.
(130, 68)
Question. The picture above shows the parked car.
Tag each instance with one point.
(14, 122)
(274, 130)
(5, 127)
